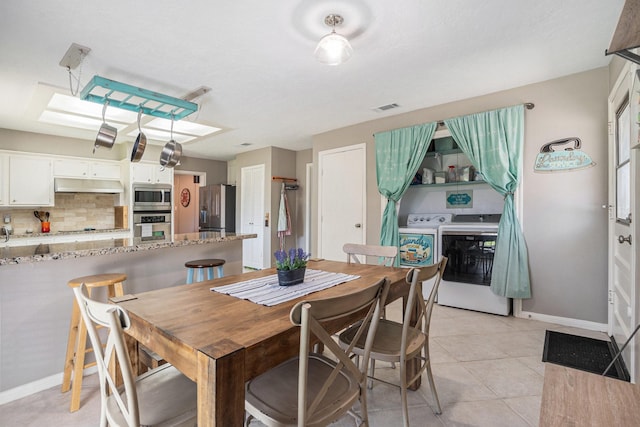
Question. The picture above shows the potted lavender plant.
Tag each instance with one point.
(291, 266)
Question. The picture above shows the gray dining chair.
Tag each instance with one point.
(406, 341)
(161, 396)
(314, 389)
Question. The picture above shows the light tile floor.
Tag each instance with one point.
(487, 369)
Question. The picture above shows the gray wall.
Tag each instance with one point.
(562, 219)
(216, 170)
(50, 144)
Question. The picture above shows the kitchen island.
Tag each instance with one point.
(78, 249)
(35, 301)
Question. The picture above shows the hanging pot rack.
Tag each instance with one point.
(132, 98)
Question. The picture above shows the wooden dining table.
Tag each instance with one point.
(220, 341)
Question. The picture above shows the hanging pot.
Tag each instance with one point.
(171, 154)
(140, 144)
(106, 134)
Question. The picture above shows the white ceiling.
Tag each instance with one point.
(257, 57)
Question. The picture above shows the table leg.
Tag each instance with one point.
(221, 385)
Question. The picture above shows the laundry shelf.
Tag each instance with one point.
(132, 98)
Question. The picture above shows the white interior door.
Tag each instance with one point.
(341, 199)
(251, 215)
(623, 286)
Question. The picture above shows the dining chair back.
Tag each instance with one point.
(357, 253)
(406, 342)
(162, 396)
(317, 389)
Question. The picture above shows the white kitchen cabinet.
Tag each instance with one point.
(4, 179)
(151, 173)
(30, 181)
(72, 168)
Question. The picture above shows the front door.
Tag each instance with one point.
(341, 200)
(624, 290)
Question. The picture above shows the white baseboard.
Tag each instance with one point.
(565, 321)
(37, 386)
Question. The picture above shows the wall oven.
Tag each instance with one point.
(470, 250)
(151, 226)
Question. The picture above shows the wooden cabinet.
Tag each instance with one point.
(72, 168)
(30, 181)
(151, 173)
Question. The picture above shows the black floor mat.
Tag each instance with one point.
(587, 354)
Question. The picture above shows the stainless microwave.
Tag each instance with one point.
(151, 197)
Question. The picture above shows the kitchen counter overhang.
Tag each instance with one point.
(70, 250)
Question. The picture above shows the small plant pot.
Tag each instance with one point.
(291, 277)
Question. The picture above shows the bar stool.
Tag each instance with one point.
(77, 342)
(200, 265)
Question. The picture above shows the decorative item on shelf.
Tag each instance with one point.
(451, 174)
(291, 266)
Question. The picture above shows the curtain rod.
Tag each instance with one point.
(527, 105)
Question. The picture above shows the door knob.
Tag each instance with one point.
(622, 239)
(358, 225)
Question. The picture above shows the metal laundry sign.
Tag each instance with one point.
(459, 199)
(571, 158)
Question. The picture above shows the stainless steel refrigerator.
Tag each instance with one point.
(218, 208)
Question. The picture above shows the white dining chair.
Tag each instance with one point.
(357, 253)
(161, 396)
(313, 389)
(406, 341)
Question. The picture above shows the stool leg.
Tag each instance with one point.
(200, 274)
(78, 367)
(190, 275)
(210, 273)
(71, 346)
(116, 290)
(220, 271)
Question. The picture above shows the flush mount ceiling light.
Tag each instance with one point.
(333, 49)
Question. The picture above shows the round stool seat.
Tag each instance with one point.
(202, 265)
(97, 280)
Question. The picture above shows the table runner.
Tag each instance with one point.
(267, 291)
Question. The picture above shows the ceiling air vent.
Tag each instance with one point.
(386, 107)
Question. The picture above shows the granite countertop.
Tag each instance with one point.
(56, 251)
(67, 233)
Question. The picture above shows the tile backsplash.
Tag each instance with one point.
(72, 211)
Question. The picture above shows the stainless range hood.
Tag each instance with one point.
(71, 185)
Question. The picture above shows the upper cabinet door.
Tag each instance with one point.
(30, 181)
(72, 168)
(150, 173)
(101, 170)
